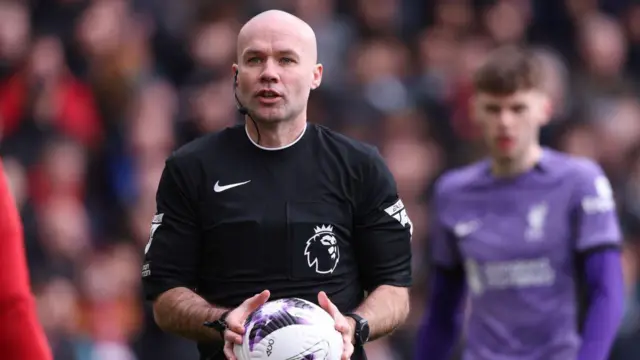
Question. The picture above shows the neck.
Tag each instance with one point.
(517, 166)
(276, 135)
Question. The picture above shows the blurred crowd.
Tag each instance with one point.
(95, 94)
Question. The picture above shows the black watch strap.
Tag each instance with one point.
(219, 325)
(361, 333)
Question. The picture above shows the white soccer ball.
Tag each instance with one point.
(290, 329)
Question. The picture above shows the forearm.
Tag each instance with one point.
(442, 321)
(606, 300)
(182, 312)
(385, 309)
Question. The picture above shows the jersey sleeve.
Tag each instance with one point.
(596, 218)
(21, 336)
(442, 241)
(382, 229)
(171, 255)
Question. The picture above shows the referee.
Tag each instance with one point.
(277, 208)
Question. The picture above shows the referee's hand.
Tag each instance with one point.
(235, 321)
(342, 325)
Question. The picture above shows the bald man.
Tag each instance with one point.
(277, 207)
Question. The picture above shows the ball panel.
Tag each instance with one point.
(312, 312)
(264, 324)
(300, 342)
(297, 328)
(280, 313)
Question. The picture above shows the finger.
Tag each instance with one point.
(325, 303)
(346, 336)
(235, 321)
(347, 351)
(232, 337)
(236, 326)
(252, 304)
(331, 308)
(341, 323)
(228, 351)
(334, 309)
(323, 300)
(342, 326)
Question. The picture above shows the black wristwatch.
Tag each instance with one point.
(219, 325)
(361, 333)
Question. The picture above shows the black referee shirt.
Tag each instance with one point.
(234, 219)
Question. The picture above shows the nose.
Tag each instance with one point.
(269, 72)
(505, 119)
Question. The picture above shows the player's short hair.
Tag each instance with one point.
(507, 70)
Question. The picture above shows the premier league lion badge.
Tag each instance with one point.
(322, 250)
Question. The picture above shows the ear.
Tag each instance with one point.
(546, 109)
(234, 71)
(317, 76)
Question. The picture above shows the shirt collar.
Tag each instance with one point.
(542, 165)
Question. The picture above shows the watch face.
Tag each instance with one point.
(364, 333)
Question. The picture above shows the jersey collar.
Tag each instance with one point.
(542, 165)
(246, 130)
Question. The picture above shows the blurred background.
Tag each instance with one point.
(94, 95)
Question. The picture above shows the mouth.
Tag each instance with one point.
(505, 142)
(268, 94)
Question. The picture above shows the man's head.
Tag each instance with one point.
(509, 103)
(277, 66)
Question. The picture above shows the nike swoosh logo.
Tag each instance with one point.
(217, 188)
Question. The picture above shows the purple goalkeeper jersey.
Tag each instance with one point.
(517, 240)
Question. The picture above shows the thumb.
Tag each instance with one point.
(256, 301)
(325, 303)
(245, 309)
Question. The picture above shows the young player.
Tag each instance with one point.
(522, 233)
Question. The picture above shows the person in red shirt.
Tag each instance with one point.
(21, 336)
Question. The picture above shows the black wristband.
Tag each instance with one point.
(220, 325)
(361, 333)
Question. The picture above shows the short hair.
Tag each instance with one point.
(508, 70)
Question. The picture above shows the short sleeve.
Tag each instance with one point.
(171, 255)
(595, 211)
(382, 230)
(443, 245)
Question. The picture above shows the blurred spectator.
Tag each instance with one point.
(43, 98)
(15, 31)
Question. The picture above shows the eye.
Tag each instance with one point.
(287, 60)
(254, 60)
(518, 108)
(492, 109)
